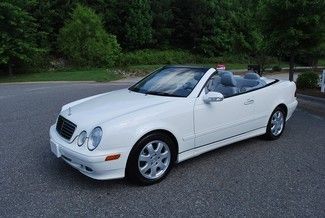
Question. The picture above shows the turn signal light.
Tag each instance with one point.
(112, 157)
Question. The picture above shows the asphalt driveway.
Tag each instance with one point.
(250, 178)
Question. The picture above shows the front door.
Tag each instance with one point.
(217, 121)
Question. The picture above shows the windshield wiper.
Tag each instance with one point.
(160, 94)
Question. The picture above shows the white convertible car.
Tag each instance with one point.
(175, 113)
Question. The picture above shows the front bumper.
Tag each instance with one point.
(93, 166)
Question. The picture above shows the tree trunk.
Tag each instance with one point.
(291, 68)
(10, 69)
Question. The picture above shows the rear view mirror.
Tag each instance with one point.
(212, 97)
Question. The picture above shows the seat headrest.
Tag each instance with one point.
(228, 80)
(251, 75)
(220, 73)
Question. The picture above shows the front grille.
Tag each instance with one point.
(65, 127)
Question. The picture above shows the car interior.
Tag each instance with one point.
(227, 84)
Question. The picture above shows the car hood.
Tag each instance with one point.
(100, 108)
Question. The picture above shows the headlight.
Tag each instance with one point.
(94, 138)
(82, 138)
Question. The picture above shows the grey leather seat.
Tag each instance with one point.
(220, 73)
(252, 75)
(227, 85)
(216, 80)
(250, 81)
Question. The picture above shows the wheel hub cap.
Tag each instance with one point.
(277, 123)
(154, 159)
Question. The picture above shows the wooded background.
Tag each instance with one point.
(102, 32)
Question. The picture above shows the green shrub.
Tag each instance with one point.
(307, 80)
(18, 37)
(151, 56)
(85, 42)
(276, 68)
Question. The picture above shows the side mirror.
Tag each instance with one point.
(212, 97)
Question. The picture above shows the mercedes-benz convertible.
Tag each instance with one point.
(173, 114)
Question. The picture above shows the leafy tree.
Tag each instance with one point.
(243, 31)
(202, 25)
(136, 31)
(18, 31)
(162, 22)
(185, 22)
(50, 16)
(110, 11)
(85, 42)
(292, 26)
(210, 38)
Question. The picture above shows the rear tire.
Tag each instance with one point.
(276, 124)
(151, 159)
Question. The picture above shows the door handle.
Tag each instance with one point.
(249, 101)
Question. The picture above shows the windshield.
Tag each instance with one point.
(170, 81)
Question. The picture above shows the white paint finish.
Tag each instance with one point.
(203, 149)
(218, 120)
(198, 127)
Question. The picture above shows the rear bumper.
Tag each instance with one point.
(291, 108)
(93, 166)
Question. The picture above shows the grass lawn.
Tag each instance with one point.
(99, 75)
(142, 69)
(321, 62)
(150, 68)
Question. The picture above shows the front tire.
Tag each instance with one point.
(151, 159)
(276, 124)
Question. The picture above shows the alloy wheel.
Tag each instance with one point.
(154, 159)
(277, 123)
